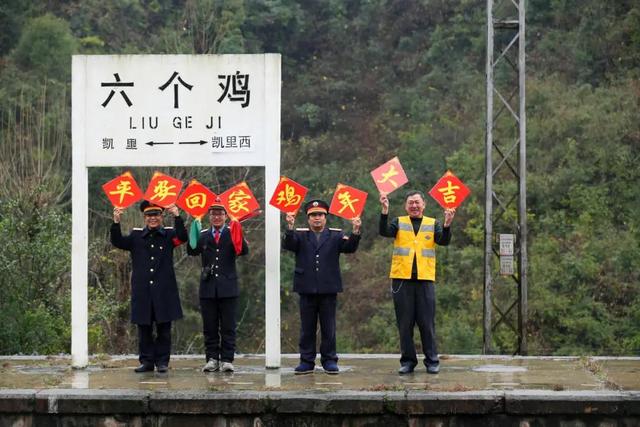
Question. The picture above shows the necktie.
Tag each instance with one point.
(216, 235)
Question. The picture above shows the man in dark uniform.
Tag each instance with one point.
(317, 280)
(413, 273)
(154, 291)
(219, 246)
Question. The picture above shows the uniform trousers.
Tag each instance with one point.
(415, 303)
(219, 327)
(314, 307)
(154, 351)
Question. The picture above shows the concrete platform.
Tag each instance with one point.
(491, 390)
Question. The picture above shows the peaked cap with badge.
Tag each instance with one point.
(146, 207)
(316, 206)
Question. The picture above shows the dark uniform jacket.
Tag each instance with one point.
(218, 278)
(153, 279)
(317, 268)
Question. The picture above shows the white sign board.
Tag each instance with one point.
(507, 267)
(507, 242)
(174, 110)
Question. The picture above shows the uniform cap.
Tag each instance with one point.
(315, 206)
(217, 205)
(147, 207)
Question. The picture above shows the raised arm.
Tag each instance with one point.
(384, 228)
(350, 243)
(117, 239)
(443, 232)
(181, 231)
(290, 240)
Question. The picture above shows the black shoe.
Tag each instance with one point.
(163, 368)
(330, 367)
(304, 368)
(144, 368)
(405, 369)
(433, 369)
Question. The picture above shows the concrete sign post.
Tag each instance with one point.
(174, 110)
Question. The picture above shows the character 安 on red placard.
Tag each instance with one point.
(163, 190)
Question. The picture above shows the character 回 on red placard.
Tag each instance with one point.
(196, 199)
(449, 191)
(122, 191)
(390, 176)
(240, 202)
(348, 202)
(163, 190)
(288, 195)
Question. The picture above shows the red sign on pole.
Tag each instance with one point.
(163, 190)
(449, 191)
(196, 199)
(348, 202)
(390, 176)
(288, 195)
(239, 201)
(122, 191)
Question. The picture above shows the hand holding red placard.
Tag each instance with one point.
(449, 191)
(288, 195)
(390, 176)
(348, 202)
(122, 191)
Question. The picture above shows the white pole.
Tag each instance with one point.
(272, 219)
(80, 221)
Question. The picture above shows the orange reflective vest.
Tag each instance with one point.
(408, 245)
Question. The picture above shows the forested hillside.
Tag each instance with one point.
(363, 81)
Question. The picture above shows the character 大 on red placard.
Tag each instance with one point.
(389, 177)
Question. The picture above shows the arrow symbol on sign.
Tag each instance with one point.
(201, 142)
(152, 143)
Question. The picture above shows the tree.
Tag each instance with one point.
(45, 47)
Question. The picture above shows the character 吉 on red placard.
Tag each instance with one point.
(449, 191)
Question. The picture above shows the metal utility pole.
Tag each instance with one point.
(505, 258)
